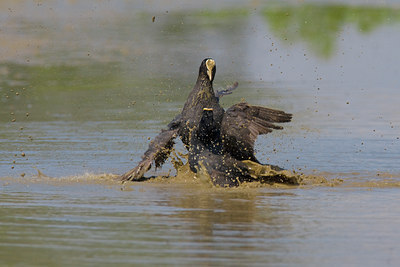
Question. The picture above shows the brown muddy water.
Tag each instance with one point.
(85, 84)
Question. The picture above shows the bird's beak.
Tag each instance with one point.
(210, 63)
(208, 109)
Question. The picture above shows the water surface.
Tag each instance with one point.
(85, 84)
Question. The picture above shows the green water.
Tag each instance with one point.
(84, 84)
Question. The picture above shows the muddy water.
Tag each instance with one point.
(83, 85)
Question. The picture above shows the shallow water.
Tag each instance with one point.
(88, 82)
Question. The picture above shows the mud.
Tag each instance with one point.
(183, 176)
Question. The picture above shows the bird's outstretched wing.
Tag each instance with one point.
(159, 149)
(241, 125)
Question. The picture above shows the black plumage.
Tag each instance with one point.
(207, 158)
(238, 127)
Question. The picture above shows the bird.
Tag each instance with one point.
(239, 125)
(207, 158)
(206, 155)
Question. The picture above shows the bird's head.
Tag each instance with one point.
(208, 69)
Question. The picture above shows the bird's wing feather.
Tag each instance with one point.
(226, 91)
(159, 149)
(241, 125)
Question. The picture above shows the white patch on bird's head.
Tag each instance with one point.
(210, 64)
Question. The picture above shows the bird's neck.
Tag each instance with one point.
(201, 96)
(205, 91)
(205, 83)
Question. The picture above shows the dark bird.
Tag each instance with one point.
(207, 158)
(239, 126)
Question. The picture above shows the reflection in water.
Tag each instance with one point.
(85, 220)
(236, 219)
(155, 222)
(321, 25)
